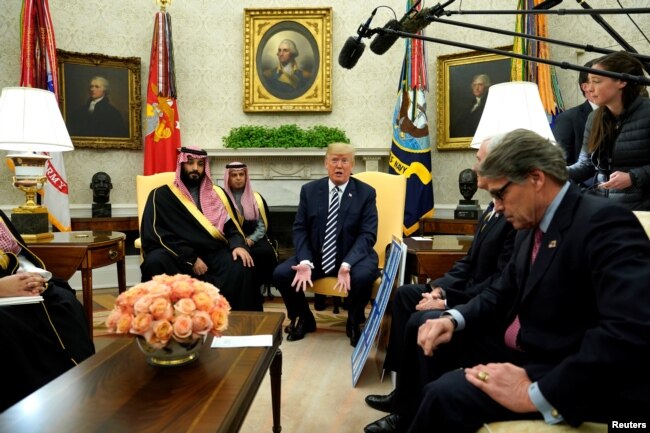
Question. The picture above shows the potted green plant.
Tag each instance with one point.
(285, 136)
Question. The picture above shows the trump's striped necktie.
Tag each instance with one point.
(329, 245)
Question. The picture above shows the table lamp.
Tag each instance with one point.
(510, 106)
(30, 122)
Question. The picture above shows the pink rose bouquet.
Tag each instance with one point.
(178, 307)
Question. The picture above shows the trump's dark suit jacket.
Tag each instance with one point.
(569, 130)
(357, 224)
(583, 306)
(356, 235)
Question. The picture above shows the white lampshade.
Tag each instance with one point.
(30, 121)
(510, 106)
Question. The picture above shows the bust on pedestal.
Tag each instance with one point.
(101, 186)
(468, 183)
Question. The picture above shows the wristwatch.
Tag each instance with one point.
(450, 317)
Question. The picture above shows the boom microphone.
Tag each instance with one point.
(383, 41)
(412, 22)
(353, 47)
(547, 4)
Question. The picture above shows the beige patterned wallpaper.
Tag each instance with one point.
(208, 39)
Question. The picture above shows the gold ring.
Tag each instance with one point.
(482, 376)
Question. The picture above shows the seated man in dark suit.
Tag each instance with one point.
(334, 234)
(571, 308)
(569, 126)
(414, 303)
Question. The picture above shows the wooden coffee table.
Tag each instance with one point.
(117, 391)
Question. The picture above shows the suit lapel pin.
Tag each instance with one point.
(552, 244)
(350, 194)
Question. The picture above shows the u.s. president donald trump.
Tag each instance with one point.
(334, 233)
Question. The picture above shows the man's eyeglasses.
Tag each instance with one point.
(499, 193)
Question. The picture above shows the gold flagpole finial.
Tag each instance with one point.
(163, 4)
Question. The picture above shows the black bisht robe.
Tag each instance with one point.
(39, 341)
(174, 233)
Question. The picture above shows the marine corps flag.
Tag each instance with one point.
(38, 69)
(410, 154)
(162, 131)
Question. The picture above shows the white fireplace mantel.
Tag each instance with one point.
(293, 164)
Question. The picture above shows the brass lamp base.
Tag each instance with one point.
(33, 226)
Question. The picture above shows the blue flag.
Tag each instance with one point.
(410, 154)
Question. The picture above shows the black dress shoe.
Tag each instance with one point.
(302, 327)
(352, 330)
(387, 424)
(383, 403)
(319, 302)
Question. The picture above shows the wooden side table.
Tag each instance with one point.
(444, 226)
(125, 224)
(83, 251)
(431, 258)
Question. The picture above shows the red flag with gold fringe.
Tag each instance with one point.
(163, 134)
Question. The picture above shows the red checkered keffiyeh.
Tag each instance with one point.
(248, 203)
(211, 204)
(8, 243)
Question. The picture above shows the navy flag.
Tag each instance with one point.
(410, 154)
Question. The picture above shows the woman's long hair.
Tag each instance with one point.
(604, 124)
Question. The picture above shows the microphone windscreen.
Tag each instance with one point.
(350, 53)
(547, 4)
(383, 41)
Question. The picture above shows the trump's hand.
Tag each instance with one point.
(505, 383)
(302, 278)
(433, 333)
(343, 279)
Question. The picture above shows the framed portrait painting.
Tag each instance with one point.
(464, 81)
(100, 100)
(287, 59)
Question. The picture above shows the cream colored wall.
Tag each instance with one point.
(208, 42)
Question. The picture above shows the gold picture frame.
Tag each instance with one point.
(458, 108)
(115, 121)
(305, 84)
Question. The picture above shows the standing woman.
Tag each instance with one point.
(616, 147)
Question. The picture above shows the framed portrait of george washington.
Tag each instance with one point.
(287, 59)
(100, 100)
(464, 81)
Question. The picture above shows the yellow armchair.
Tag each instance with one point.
(143, 186)
(391, 195)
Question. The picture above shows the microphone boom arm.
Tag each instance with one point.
(564, 65)
(588, 48)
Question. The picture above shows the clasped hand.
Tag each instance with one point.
(433, 333)
(22, 284)
(431, 301)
